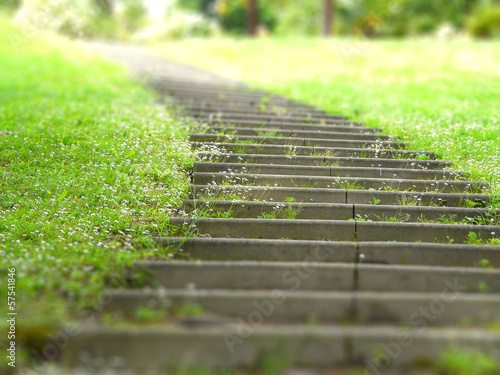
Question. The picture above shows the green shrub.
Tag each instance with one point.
(485, 22)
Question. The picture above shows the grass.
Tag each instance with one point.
(90, 169)
(440, 95)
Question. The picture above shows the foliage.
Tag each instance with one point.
(231, 14)
(133, 14)
(69, 17)
(485, 22)
(89, 169)
(459, 362)
(179, 24)
(438, 95)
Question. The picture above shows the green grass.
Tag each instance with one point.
(441, 95)
(89, 170)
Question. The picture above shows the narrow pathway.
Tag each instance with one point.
(311, 241)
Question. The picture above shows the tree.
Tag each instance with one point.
(253, 17)
(329, 11)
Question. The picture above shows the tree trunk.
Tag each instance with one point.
(329, 16)
(253, 17)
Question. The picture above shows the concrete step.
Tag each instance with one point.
(329, 230)
(338, 211)
(246, 344)
(325, 307)
(206, 108)
(241, 105)
(311, 121)
(345, 126)
(405, 253)
(328, 195)
(322, 134)
(293, 141)
(331, 171)
(268, 149)
(302, 276)
(440, 186)
(263, 114)
(322, 161)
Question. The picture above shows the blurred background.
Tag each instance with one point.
(163, 20)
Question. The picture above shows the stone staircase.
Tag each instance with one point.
(309, 241)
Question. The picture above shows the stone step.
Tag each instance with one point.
(267, 149)
(256, 123)
(228, 114)
(328, 195)
(326, 134)
(339, 211)
(207, 106)
(246, 344)
(240, 104)
(322, 161)
(330, 230)
(325, 307)
(169, 81)
(225, 94)
(354, 183)
(293, 141)
(336, 171)
(295, 276)
(405, 253)
(344, 126)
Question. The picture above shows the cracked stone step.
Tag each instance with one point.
(328, 307)
(267, 149)
(328, 195)
(295, 276)
(330, 230)
(339, 211)
(323, 134)
(346, 127)
(297, 141)
(431, 254)
(322, 161)
(329, 171)
(440, 186)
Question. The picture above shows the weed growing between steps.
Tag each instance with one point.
(89, 168)
(438, 95)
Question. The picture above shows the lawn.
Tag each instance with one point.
(90, 168)
(442, 96)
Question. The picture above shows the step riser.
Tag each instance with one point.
(216, 249)
(250, 115)
(321, 277)
(343, 211)
(415, 198)
(330, 230)
(303, 134)
(239, 148)
(266, 194)
(336, 196)
(370, 172)
(297, 307)
(323, 161)
(344, 127)
(294, 141)
(246, 345)
(253, 110)
(200, 178)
